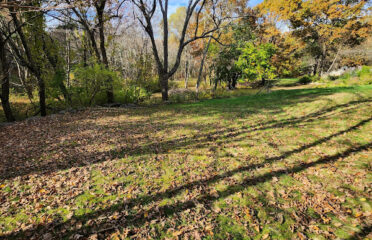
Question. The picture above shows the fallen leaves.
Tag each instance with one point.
(142, 174)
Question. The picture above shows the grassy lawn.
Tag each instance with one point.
(287, 82)
(290, 164)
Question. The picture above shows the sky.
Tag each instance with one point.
(174, 4)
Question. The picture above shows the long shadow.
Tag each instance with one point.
(159, 146)
(143, 200)
(366, 230)
(204, 139)
(141, 218)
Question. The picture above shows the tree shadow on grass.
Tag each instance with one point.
(365, 231)
(140, 218)
(136, 145)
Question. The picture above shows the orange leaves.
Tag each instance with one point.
(42, 191)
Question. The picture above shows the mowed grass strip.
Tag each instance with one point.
(282, 165)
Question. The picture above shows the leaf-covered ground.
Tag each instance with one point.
(291, 164)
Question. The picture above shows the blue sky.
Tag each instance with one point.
(174, 4)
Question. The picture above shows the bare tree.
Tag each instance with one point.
(194, 8)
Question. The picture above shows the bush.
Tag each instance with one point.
(365, 70)
(333, 78)
(305, 80)
(90, 83)
(182, 95)
(133, 94)
(365, 75)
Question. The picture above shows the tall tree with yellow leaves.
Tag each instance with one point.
(325, 26)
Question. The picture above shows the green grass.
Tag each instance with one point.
(289, 164)
(287, 82)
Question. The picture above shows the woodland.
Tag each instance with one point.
(185, 119)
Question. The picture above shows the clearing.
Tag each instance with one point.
(288, 164)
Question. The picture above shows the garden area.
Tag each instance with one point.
(198, 119)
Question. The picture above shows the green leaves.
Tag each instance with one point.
(255, 62)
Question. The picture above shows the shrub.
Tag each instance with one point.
(365, 70)
(305, 80)
(182, 95)
(133, 94)
(90, 84)
(333, 78)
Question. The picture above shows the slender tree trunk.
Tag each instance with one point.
(334, 60)
(100, 9)
(68, 60)
(202, 64)
(4, 80)
(186, 73)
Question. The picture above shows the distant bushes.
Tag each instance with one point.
(359, 76)
(364, 71)
(188, 95)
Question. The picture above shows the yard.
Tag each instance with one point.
(290, 164)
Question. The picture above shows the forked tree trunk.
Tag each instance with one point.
(148, 9)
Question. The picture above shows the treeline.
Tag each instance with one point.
(80, 52)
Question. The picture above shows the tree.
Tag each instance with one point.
(225, 68)
(4, 79)
(92, 19)
(176, 21)
(324, 25)
(29, 56)
(194, 8)
(226, 56)
(255, 62)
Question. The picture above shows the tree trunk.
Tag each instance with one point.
(164, 86)
(63, 88)
(68, 60)
(202, 64)
(235, 81)
(263, 81)
(23, 79)
(4, 80)
(59, 73)
(316, 66)
(186, 73)
(334, 60)
(30, 64)
(42, 97)
(100, 9)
